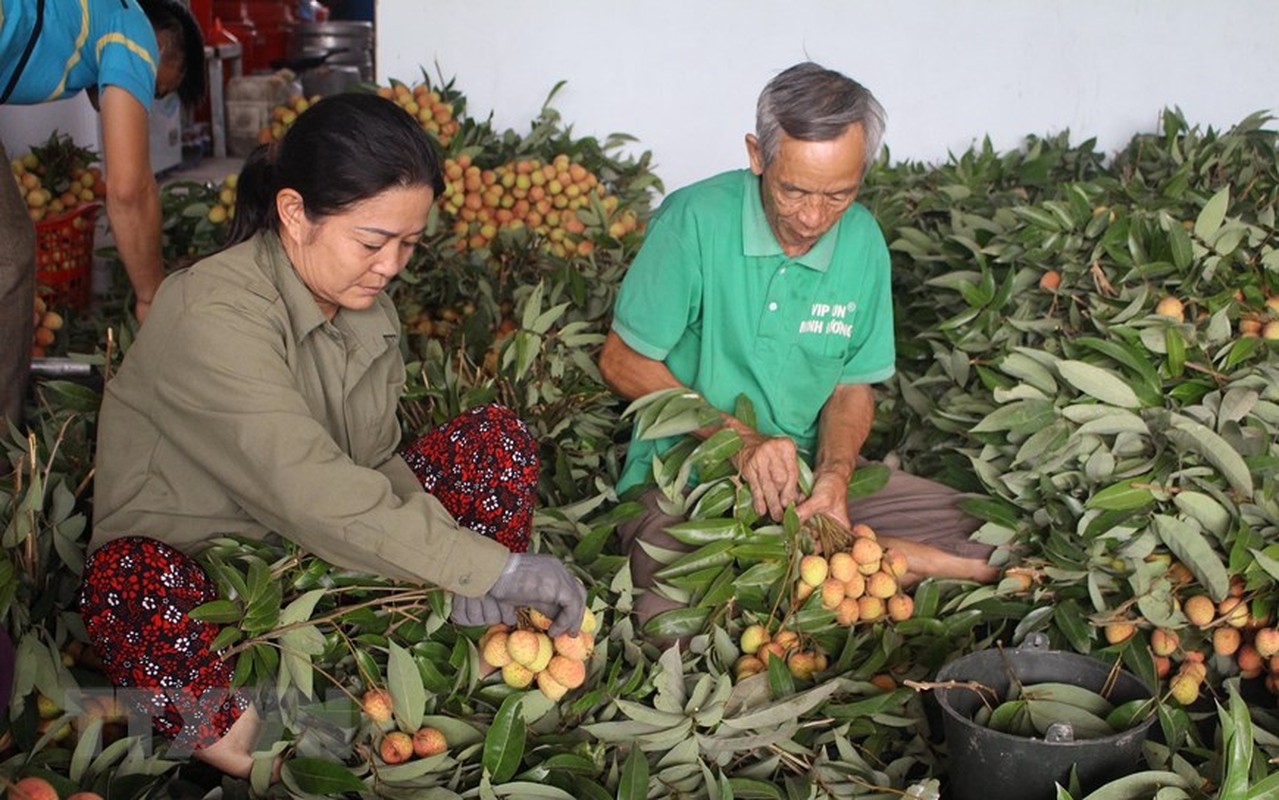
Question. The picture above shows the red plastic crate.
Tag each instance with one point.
(64, 256)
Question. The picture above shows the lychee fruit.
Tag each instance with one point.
(847, 612)
(881, 585)
(1164, 642)
(1199, 610)
(522, 646)
(377, 705)
(832, 593)
(813, 569)
(1184, 688)
(550, 687)
(1117, 632)
(516, 675)
(428, 742)
(1267, 642)
(1226, 641)
(396, 747)
(754, 637)
(495, 651)
(900, 607)
(566, 671)
(867, 551)
(842, 566)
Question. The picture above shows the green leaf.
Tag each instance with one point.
(1022, 416)
(1070, 619)
(677, 623)
(634, 783)
(1110, 422)
(787, 709)
(1125, 495)
(1215, 450)
(301, 609)
(1204, 509)
(780, 681)
(867, 480)
(1175, 345)
(1009, 717)
(504, 743)
(1181, 246)
(704, 531)
(404, 680)
(1139, 784)
(1213, 214)
(1150, 387)
(319, 776)
(1193, 550)
(219, 612)
(1069, 694)
(1099, 383)
(715, 554)
(1236, 728)
(1131, 714)
(1086, 725)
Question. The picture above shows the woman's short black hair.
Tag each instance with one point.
(172, 18)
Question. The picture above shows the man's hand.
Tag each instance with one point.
(769, 465)
(829, 497)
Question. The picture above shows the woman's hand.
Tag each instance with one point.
(539, 581)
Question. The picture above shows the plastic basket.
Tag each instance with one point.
(64, 256)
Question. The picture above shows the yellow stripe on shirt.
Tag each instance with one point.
(120, 38)
(80, 39)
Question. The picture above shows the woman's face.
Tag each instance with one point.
(347, 259)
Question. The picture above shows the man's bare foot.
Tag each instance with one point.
(926, 561)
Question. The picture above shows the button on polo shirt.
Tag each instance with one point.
(713, 296)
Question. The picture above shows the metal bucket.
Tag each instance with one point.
(985, 764)
(354, 38)
(328, 79)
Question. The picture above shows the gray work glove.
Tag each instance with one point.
(542, 582)
(482, 610)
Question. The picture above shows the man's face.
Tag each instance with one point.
(808, 185)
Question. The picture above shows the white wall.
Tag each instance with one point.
(24, 126)
(683, 75)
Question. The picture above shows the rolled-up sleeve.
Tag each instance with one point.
(228, 401)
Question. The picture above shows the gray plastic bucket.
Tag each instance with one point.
(984, 764)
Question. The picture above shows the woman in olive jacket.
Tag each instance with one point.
(260, 400)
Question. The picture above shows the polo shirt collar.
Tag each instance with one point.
(757, 235)
(371, 327)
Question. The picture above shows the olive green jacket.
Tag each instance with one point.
(240, 410)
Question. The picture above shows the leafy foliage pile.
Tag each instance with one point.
(1127, 461)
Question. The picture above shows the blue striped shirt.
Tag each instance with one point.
(82, 44)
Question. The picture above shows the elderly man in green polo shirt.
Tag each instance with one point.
(774, 284)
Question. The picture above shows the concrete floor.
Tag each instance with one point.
(208, 169)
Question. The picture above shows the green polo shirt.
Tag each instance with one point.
(241, 410)
(713, 296)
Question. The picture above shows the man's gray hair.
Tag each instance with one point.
(814, 104)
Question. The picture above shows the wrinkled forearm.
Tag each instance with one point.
(845, 423)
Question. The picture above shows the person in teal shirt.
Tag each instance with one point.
(774, 284)
(123, 54)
